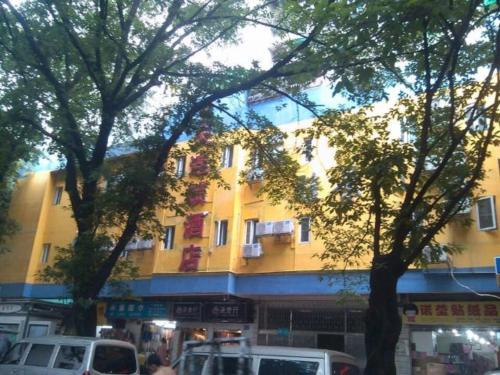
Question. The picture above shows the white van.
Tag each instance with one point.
(269, 360)
(68, 355)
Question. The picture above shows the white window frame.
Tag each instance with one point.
(221, 229)
(302, 240)
(250, 231)
(57, 196)
(168, 241)
(45, 253)
(491, 200)
(180, 167)
(227, 156)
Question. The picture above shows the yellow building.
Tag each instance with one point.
(239, 265)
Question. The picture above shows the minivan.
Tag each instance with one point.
(68, 355)
(268, 360)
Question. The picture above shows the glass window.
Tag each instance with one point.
(227, 157)
(38, 330)
(270, 366)
(57, 196)
(230, 366)
(486, 214)
(220, 233)
(45, 253)
(180, 167)
(250, 236)
(305, 228)
(344, 369)
(70, 357)
(114, 360)
(168, 242)
(14, 355)
(39, 355)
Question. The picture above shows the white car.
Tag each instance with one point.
(68, 355)
(268, 360)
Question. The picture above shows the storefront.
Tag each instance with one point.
(460, 337)
(314, 324)
(212, 319)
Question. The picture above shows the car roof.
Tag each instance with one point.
(74, 340)
(283, 351)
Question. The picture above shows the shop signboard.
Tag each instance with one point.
(236, 312)
(137, 310)
(497, 266)
(187, 311)
(460, 312)
(9, 308)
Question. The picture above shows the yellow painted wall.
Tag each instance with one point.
(43, 222)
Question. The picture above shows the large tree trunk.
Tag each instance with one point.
(85, 317)
(383, 323)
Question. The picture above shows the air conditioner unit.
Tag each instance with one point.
(143, 244)
(442, 257)
(466, 206)
(132, 245)
(283, 227)
(253, 250)
(255, 175)
(264, 229)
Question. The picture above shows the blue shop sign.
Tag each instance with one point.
(497, 266)
(126, 309)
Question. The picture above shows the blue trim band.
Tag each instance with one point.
(482, 280)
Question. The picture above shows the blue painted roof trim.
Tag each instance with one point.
(482, 280)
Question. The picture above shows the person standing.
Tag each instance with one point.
(162, 351)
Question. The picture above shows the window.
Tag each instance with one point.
(478, 117)
(307, 149)
(45, 252)
(220, 233)
(181, 167)
(70, 357)
(38, 330)
(250, 236)
(168, 242)
(230, 366)
(227, 157)
(270, 366)
(486, 213)
(39, 355)
(114, 360)
(305, 229)
(57, 195)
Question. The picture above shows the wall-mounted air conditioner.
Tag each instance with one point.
(283, 227)
(139, 244)
(255, 175)
(253, 250)
(264, 228)
(442, 256)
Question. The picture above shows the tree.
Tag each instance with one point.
(388, 199)
(89, 69)
(19, 146)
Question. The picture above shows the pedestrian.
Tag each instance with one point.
(156, 368)
(162, 351)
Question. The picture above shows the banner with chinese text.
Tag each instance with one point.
(471, 313)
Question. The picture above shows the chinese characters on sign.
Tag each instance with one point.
(190, 259)
(199, 166)
(184, 311)
(127, 309)
(456, 312)
(196, 193)
(226, 312)
(193, 226)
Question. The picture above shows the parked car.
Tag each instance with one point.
(68, 355)
(266, 360)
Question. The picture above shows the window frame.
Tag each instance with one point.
(169, 240)
(58, 193)
(227, 156)
(44, 259)
(221, 229)
(491, 200)
(250, 231)
(301, 232)
(180, 167)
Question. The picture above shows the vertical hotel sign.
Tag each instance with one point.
(460, 312)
